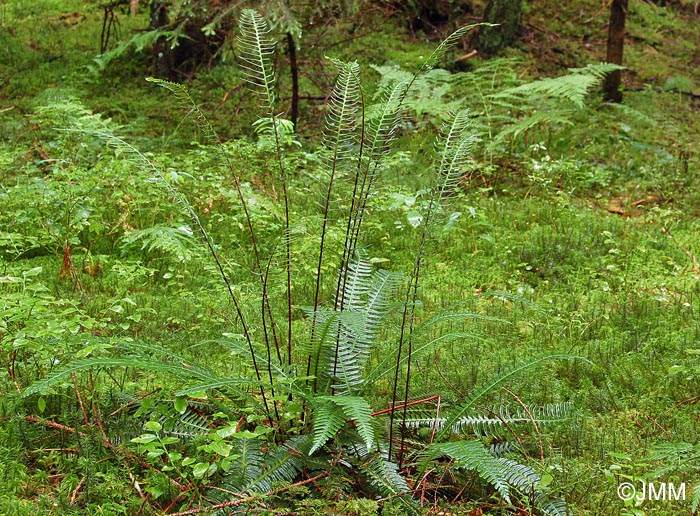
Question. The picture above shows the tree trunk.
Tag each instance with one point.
(616, 41)
(162, 53)
(508, 15)
(294, 67)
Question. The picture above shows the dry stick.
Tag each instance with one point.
(408, 404)
(656, 423)
(74, 494)
(11, 371)
(532, 420)
(510, 429)
(466, 56)
(62, 450)
(424, 483)
(53, 424)
(437, 419)
(447, 380)
(80, 401)
(134, 401)
(136, 485)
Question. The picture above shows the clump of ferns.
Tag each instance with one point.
(311, 375)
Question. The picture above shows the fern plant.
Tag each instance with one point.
(306, 402)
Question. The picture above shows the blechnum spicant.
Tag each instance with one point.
(311, 365)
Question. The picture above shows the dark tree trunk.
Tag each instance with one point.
(508, 15)
(162, 53)
(294, 67)
(616, 41)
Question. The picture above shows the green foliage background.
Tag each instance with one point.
(573, 231)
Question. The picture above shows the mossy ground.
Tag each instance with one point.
(594, 239)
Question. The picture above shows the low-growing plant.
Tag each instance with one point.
(292, 404)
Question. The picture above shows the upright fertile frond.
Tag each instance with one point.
(455, 150)
(447, 44)
(455, 146)
(344, 104)
(256, 51)
(384, 123)
(339, 139)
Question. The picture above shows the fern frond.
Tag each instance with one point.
(182, 94)
(358, 410)
(249, 465)
(341, 123)
(256, 50)
(495, 381)
(427, 328)
(482, 425)
(538, 415)
(573, 87)
(456, 147)
(356, 286)
(176, 241)
(181, 370)
(281, 465)
(328, 420)
(674, 452)
(600, 70)
(552, 506)
(519, 476)
(189, 424)
(225, 385)
(331, 414)
(384, 476)
(368, 297)
(449, 42)
(501, 449)
(472, 455)
(383, 122)
(259, 469)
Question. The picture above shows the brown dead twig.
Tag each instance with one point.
(532, 420)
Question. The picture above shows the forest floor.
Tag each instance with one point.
(574, 232)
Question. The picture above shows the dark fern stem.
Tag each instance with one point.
(204, 125)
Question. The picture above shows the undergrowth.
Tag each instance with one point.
(383, 322)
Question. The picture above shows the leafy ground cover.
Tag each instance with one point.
(572, 232)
